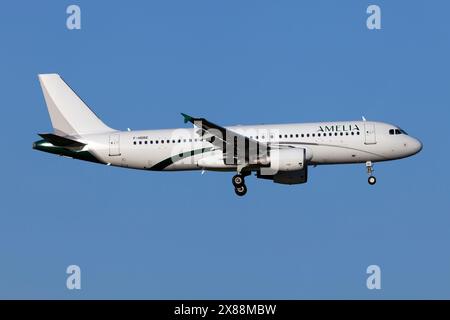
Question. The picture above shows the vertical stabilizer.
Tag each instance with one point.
(70, 116)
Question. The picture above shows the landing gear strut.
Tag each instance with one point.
(372, 180)
(239, 185)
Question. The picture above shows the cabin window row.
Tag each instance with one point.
(165, 141)
(324, 134)
(307, 135)
(302, 135)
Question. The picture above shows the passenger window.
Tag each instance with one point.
(303, 135)
(307, 135)
(145, 142)
(156, 141)
(318, 134)
(313, 134)
(134, 142)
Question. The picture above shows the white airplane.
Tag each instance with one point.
(278, 152)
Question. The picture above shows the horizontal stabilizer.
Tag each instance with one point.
(61, 141)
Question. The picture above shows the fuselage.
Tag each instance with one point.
(183, 149)
(277, 152)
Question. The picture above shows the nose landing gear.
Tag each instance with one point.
(372, 180)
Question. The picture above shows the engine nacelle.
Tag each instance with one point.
(292, 159)
(287, 166)
(287, 177)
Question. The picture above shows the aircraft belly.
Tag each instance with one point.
(344, 154)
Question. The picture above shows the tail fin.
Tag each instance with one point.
(70, 116)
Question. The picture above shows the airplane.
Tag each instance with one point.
(278, 152)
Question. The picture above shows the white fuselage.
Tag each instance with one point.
(183, 149)
(277, 152)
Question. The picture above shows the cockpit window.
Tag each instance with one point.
(397, 131)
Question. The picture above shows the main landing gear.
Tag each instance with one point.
(372, 180)
(239, 185)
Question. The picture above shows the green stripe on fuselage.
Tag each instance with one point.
(169, 161)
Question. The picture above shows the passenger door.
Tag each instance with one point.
(114, 145)
(370, 134)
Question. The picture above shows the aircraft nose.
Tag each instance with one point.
(416, 146)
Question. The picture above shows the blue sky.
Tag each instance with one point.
(182, 235)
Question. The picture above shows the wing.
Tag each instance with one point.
(237, 149)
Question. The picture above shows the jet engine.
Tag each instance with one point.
(287, 166)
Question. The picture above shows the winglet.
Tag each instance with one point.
(187, 118)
